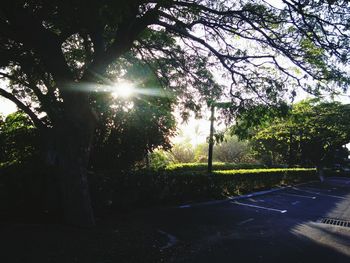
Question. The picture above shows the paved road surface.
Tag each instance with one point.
(282, 226)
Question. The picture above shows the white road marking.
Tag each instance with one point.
(304, 196)
(316, 189)
(261, 200)
(256, 200)
(245, 221)
(260, 207)
(184, 206)
(316, 193)
(172, 240)
(296, 202)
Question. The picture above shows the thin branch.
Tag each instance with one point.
(37, 122)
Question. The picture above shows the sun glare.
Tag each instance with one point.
(123, 89)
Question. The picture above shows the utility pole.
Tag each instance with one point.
(290, 161)
(212, 105)
(211, 140)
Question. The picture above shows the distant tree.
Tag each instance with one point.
(320, 129)
(231, 150)
(310, 134)
(182, 153)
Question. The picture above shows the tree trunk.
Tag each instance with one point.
(68, 156)
(211, 140)
(73, 164)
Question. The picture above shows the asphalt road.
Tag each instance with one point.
(288, 225)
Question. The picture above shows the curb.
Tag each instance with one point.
(230, 198)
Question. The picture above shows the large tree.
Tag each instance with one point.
(312, 133)
(59, 54)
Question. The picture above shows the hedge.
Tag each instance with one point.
(152, 188)
(243, 181)
(24, 188)
(179, 167)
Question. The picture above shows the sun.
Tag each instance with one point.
(123, 89)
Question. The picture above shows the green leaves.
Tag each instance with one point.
(308, 135)
(18, 139)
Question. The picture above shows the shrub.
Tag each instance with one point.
(163, 187)
(183, 153)
(242, 181)
(158, 160)
(231, 150)
(216, 166)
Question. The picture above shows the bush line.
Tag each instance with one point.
(112, 190)
(154, 188)
(216, 166)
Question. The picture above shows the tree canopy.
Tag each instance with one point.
(49, 46)
(310, 134)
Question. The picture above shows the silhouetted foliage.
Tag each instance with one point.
(131, 128)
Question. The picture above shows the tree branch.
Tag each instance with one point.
(128, 32)
(37, 122)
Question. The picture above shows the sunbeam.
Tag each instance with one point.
(123, 89)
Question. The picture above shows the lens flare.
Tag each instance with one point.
(123, 89)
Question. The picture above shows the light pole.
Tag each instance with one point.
(212, 105)
(211, 139)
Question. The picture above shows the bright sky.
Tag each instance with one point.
(6, 106)
(196, 131)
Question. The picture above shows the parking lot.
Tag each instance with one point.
(303, 223)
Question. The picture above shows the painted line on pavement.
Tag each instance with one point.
(296, 202)
(172, 240)
(317, 189)
(230, 198)
(260, 207)
(245, 221)
(303, 196)
(316, 193)
(310, 182)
